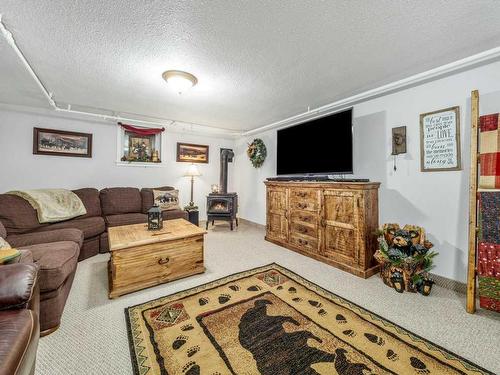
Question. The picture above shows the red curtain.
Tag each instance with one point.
(141, 131)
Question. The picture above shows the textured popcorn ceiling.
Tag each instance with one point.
(257, 61)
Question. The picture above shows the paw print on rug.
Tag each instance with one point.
(375, 339)
(191, 368)
(315, 303)
(322, 312)
(179, 342)
(234, 288)
(187, 327)
(341, 319)
(349, 333)
(193, 350)
(254, 288)
(292, 290)
(203, 301)
(391, 355)
(419, 366)
(223, 298)
(297, 299)
(280, 287)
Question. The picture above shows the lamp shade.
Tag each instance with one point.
(192, 171)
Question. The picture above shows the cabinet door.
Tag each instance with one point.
(341, 233)
(277, 221)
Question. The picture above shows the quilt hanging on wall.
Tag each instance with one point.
(489, 213)
(489, 148)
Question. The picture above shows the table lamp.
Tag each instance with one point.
(192, 172)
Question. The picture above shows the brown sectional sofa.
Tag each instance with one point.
(56, 248)
(107, 208)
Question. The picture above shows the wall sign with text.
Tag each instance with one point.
(440, 140)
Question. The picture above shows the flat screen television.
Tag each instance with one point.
(321, 146)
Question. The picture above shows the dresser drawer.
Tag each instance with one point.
(306, 243)
(304, 195)
(304, 217)
(304, 230)
(306, 205)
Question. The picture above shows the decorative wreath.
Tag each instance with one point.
(257, 152)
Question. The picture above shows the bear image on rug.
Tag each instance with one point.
(271, 321)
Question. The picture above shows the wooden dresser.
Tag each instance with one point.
(333, 222)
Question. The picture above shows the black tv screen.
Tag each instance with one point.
(320, 146)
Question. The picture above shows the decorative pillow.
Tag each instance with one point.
(8, 255)
(167, 200)
(4, 244)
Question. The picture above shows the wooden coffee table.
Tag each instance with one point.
(142, 258)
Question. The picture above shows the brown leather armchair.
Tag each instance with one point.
(19, 325)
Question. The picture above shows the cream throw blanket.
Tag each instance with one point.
(53, 205)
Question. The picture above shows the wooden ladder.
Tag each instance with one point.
(473, 204)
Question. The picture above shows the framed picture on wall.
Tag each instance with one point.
(61, 143)
(440, 140)
(191, 153)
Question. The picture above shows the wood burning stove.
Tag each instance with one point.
(223, 205)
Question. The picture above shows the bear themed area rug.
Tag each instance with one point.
(271, 321)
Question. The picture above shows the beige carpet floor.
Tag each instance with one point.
(92, 338)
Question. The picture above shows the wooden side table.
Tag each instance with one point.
(194, 217)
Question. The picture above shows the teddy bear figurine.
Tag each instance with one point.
(401, 243)
(402, 255)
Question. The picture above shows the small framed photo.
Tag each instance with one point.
(191, 153)
(61, 143)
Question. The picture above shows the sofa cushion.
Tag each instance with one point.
(120, 200)
(126, 219)
(175, 214)
(148, 198)
(26, 257)
(17, 215)
(46, 236)
(91, 201)
(90, 226)
(56, 261)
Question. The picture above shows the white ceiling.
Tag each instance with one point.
(257, 62)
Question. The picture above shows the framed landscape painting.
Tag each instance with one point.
(61, 143)
(190, 153)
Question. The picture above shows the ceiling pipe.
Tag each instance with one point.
(111, 117)
(49, 96)
(10, 40)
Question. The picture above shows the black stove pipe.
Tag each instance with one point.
(226, 156)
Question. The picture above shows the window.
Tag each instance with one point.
(140, 147)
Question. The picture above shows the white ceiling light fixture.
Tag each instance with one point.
(179, 81)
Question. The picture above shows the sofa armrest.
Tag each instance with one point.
(18, 285)
(35, 238)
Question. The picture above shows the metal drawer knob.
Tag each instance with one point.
(162, 261)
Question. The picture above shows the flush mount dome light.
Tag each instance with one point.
(179, 81)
